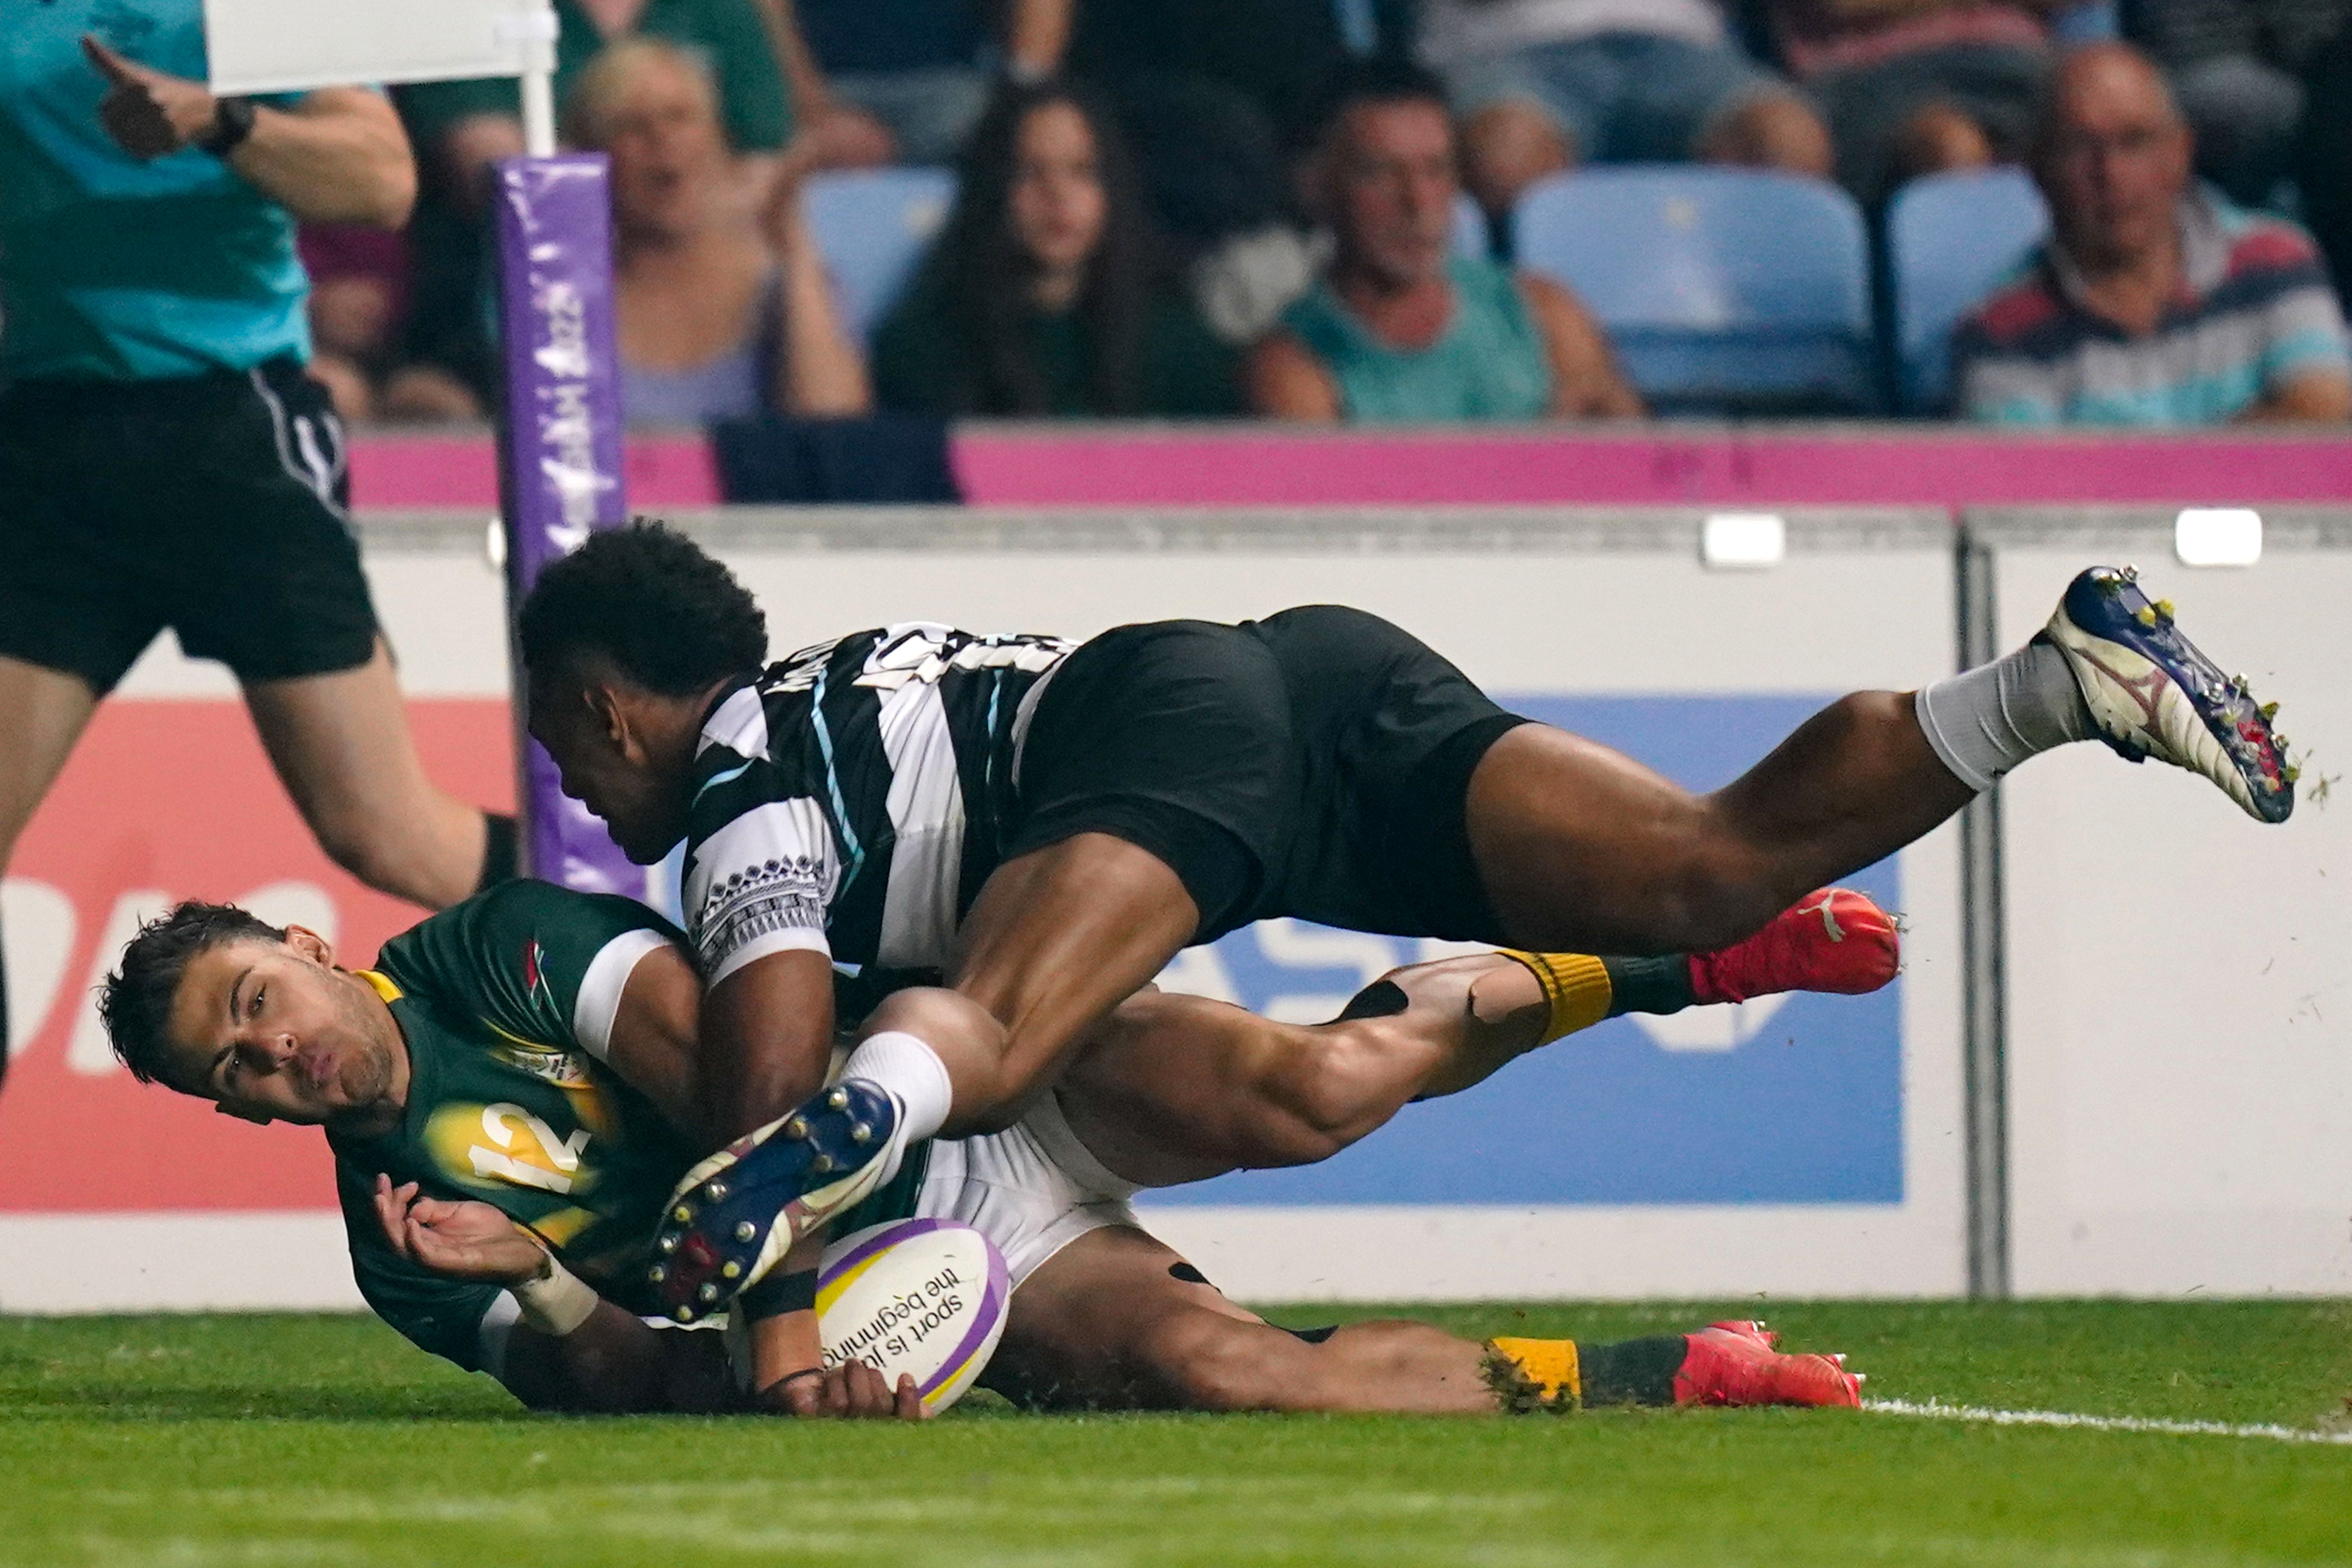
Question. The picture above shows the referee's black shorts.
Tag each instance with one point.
(1316, 764)
(215, 505)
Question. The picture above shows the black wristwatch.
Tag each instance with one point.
(232, 123)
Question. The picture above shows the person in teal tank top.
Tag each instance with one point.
(1399, 329)
(1490, 361)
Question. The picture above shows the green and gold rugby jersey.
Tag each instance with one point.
(507, 1002)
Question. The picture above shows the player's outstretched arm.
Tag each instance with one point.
(573, 1351)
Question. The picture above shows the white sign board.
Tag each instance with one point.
(2180, 1014)
(291, 46)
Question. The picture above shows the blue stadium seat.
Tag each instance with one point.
(1723, 291)
(1469, 229)
(872, 227)
(1949, 238)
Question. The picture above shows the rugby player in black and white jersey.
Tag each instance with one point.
(1049, 825)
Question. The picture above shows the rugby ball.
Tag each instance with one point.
(927, 1297)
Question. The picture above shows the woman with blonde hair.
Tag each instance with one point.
(722, 305)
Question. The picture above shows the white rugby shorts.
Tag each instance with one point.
(1031, 1189)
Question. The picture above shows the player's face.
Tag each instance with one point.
(1057, 207)
(1392, 189)
(272, 1032)
(602, 763)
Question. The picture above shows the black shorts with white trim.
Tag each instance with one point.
(215, 505)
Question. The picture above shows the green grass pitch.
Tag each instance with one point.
(296, 1440)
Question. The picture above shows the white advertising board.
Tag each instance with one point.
(2179, 1013)
(1812, 1147)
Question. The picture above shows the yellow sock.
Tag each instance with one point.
(1576, 986)
(1534, 1374)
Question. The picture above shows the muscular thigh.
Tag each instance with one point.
(1582, 849)
(1170, 1089)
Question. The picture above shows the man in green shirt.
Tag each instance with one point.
(503, 1091)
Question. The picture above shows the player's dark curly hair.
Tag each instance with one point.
(648, 598)
(135, 1002)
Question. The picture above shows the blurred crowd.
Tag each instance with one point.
(1221, 208)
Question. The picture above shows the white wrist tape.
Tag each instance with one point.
(555, 1300)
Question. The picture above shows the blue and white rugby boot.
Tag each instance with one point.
(738, 1213)
(2154, 694)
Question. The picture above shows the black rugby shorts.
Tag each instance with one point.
(1316, 764)
(215, 505)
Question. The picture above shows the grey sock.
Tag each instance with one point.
(1984, 723)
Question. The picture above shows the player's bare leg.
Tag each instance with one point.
(1579, 848)
(43, 713)
(342, 745)
(1117, 1321)
(1174, 1089)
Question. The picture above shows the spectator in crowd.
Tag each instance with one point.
(2324, 161)
(1045, 293)
(358, 277)
(1916, 86)
(1398, 327)
(1211, 96)
(1543, 85)
(2151, 303)
(906, 80)
(2237, 68)
(359, 306)
(462, 128)
(721, 312)
(164, 461)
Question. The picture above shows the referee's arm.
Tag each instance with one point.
(339, 155)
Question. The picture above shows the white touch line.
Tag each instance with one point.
(1937, 1410)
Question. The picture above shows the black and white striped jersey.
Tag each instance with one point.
(852, 799)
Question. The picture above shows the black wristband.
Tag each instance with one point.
(232, 123)
(779, 1294)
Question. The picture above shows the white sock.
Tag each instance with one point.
(1985, 721)
(913, 1075)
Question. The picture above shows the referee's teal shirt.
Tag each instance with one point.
(115, 269)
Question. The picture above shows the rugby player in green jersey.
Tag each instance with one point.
(504, 1093)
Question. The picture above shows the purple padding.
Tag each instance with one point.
(560, 448)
